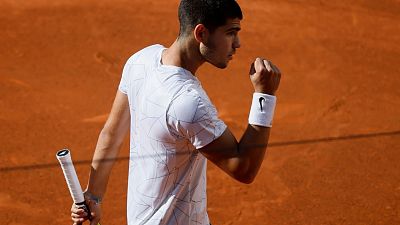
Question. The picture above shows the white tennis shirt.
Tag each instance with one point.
(171, 117)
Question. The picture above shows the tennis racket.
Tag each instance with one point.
(64, 157)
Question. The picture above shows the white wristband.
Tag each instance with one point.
(262, 110)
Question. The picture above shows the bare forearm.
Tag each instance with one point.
(251, 150)
(241, 160)
(106, 152)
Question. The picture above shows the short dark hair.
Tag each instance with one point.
(211, 13)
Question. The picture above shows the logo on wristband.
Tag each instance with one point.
(261, 99)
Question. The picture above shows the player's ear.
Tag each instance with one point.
(200, 33)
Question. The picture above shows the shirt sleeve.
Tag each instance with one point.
(123, 84)
(192, 116)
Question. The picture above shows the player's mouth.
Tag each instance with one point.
(230, 56)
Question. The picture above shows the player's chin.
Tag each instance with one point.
(221, 65)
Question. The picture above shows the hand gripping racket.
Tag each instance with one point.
(64, 157)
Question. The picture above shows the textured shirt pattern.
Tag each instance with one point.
(171, 117)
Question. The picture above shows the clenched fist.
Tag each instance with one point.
(78, 215)
(264, 76)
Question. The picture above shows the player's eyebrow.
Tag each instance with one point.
(233, 29)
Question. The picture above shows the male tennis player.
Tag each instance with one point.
(174, 125)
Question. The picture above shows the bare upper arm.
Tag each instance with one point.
(118, 121)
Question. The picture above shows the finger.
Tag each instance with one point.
(259, 65)
(77, 210)
(277, 75)
(276, 69)
(267, 65)
(83, 215)
(78, 221)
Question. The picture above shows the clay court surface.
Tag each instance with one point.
(335, 145)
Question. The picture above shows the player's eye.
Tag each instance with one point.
(232, 33)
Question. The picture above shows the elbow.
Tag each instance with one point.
(243, 172)
(245, 179)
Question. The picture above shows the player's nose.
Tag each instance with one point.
(236, 42)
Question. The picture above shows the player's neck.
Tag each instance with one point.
(183, 53)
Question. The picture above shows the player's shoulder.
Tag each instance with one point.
(190, 100)
(143, 54)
